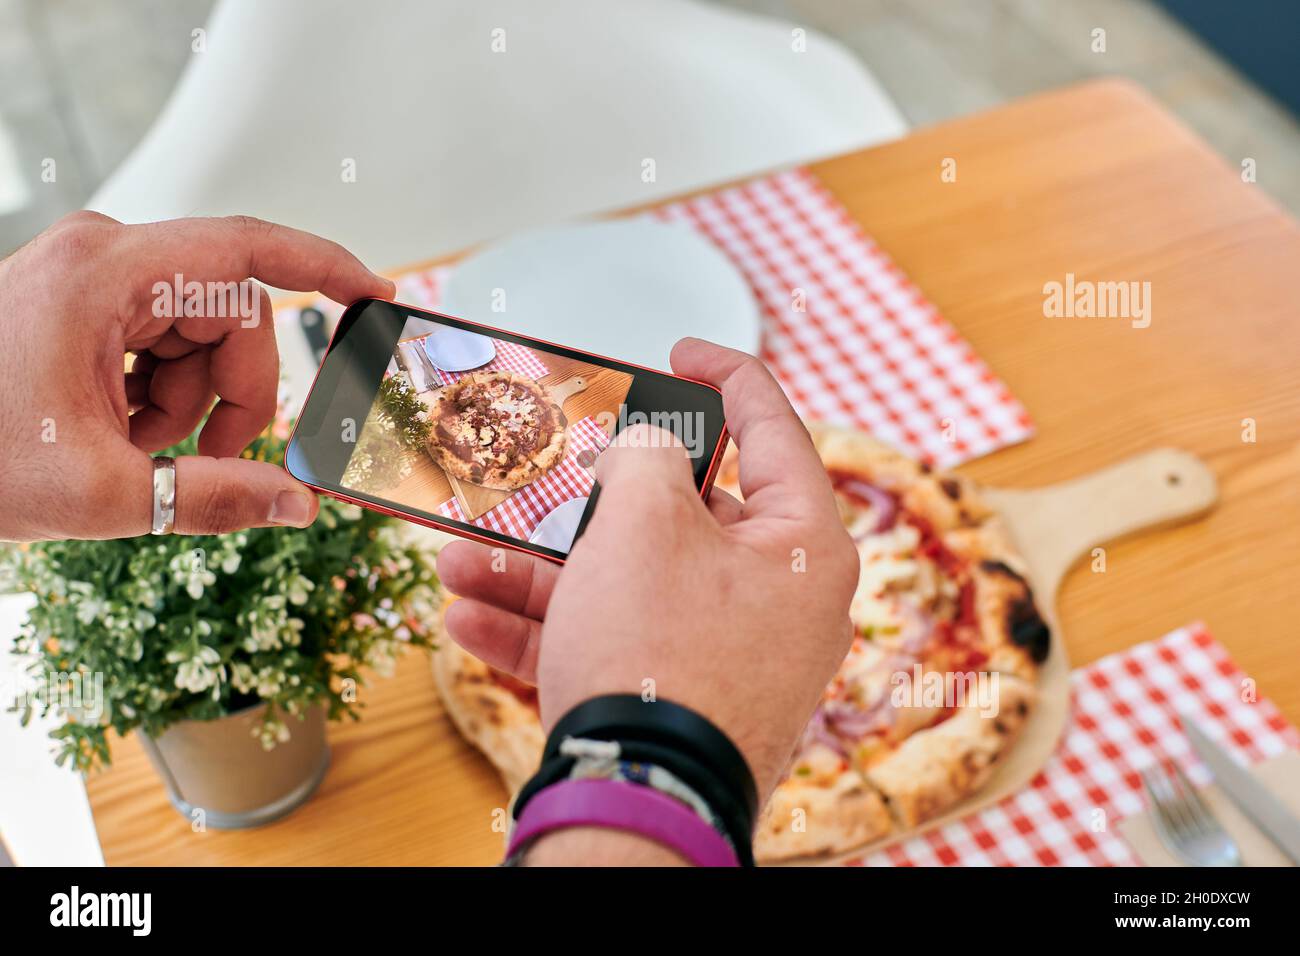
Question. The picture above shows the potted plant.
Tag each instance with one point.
(227, 653)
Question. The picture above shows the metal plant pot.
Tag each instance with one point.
(221, 768)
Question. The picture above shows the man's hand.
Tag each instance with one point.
(77, 433)
(739, 612)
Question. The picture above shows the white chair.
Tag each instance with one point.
(464, 122)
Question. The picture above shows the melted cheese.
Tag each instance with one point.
(507, 406)
(864, 675)
(885, 562)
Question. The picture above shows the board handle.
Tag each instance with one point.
(1054, 526)
(566, 390)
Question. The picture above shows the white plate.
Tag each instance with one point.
(626, 288)
(455, 350)
(557, 529)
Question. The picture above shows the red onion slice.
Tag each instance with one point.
(817, 732)
(849, 720)
(880, 501)
(917, 628)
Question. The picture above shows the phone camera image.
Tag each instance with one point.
(488, 432)
(481, 432)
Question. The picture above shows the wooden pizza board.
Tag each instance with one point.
(474, 500)
(1053, 527)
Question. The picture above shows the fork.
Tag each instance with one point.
(1184, 822)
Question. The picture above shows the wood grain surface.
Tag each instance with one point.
(1094, 180)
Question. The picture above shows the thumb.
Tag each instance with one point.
(644, 461)
(216, 495)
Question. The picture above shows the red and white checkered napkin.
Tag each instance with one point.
(847, 334)
(520, 514)
(1124, 718)
(851, 339)
(509, 358)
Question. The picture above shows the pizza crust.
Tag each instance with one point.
(806, 818)
(937, 768)
(489, 715)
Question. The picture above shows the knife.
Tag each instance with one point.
(1264, 809)
(313, 329)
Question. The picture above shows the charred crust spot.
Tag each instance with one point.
(972, 763)
(925, 468)
(1025, 624)
(1022, 708)
(999, 726)
(951, 487)
(491, 708)
(1028, 629)
(989, 566)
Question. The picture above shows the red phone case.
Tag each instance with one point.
(461, 532)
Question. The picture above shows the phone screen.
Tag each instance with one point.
(478, 431)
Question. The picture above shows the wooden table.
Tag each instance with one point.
(1094, 180)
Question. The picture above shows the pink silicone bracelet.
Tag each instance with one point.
(617, 805)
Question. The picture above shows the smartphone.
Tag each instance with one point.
(479, 432)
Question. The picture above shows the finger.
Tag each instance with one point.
(178, 395)
(233, 248)
(509, 642)
(242, 370)
(217, 495)
(512, 581)
(643, 458)
(780, 471)
(245, 370)
(137, 390)
(724, 507)
(170, 345)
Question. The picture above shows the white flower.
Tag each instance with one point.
(241, 677)
(90, 608)
(270, 733)
(299, 589)
(269, 682)
(197, 581)
(199, 672)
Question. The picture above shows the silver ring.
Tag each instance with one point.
(164, 494)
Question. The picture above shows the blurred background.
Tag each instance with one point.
(81, 81)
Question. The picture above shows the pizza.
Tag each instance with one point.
(936, 687)
(495, 712)
(940, 678)
(499, 430)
